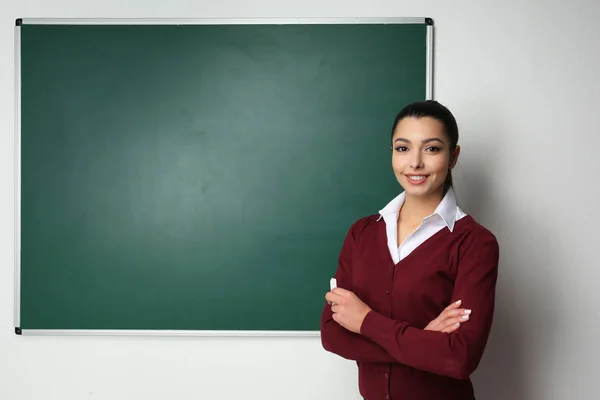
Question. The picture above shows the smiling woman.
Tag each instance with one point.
(425, 149)
(425, 143)
(416, 282)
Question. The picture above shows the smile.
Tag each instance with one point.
(416, 179)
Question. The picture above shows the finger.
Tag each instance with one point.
(454, 305)
(332, 297)
(341, 291)
(454, 321)
(335, 308)
(451, 328)
(454, 313)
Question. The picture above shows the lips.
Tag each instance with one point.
(416, 179)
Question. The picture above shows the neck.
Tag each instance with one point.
(415, 208)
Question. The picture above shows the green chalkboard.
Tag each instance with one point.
(200, 177)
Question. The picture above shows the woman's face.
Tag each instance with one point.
(421, 156)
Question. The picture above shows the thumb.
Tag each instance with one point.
(341, 291)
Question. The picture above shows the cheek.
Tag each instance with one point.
(398, 161)
(439, 165)
(397, 165)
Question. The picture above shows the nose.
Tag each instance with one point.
(417, 161)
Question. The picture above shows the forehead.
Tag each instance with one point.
(419, 128)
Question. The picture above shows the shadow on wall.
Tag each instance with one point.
(516, 346)
(500, 374)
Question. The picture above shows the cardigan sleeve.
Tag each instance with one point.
(455, 354)
(334, 337)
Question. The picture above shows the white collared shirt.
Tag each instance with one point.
(445, 216)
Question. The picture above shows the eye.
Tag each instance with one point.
(432, 149)
(401, 148)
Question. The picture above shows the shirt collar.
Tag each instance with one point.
(446, 209)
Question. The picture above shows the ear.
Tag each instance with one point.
(454, 157)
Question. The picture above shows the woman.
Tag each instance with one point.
(416, 282)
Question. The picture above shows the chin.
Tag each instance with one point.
(423, 190)
(417, 192)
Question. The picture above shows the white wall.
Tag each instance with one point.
(523, 80)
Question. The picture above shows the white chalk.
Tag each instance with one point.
(333, 283)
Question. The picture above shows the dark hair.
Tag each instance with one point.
(433, 109)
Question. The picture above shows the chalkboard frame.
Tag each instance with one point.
(170, 21)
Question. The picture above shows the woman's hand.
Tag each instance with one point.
(450, 319)
(348, 310)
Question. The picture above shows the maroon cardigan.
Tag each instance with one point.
(396, 358)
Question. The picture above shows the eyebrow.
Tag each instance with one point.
(423, 141)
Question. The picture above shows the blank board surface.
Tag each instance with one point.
(200, 177)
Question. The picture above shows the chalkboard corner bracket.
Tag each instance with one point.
(19, 22)
(18, 331)
(429, 21)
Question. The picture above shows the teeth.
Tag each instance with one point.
(417, 178)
